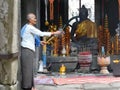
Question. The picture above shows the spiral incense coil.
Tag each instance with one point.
(112, 48)
(60, 22)
(119, 47)
(100, 38)
(63, 40)
(67, 50)
(107, 42)
(67, 36)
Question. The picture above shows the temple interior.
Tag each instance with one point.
(90, 41)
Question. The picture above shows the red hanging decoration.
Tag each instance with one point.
(51, 9)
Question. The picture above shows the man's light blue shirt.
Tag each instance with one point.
(28, 33)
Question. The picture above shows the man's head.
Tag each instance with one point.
(83, 13)
(31, 19)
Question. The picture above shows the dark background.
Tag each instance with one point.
(102, 7)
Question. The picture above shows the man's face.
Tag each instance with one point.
(33, 19)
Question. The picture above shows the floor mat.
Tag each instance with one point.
(75, 80)
(86, 79)
(43, 80)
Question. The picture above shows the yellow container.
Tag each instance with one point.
(62, 69)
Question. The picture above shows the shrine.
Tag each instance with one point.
(94, 33)
(89, 43)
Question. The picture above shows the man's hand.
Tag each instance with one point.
(43, 42)
(57, 32)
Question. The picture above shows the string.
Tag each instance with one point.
(46, 2)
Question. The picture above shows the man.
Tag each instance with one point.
(28, 33)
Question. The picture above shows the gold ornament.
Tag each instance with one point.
(46, 23)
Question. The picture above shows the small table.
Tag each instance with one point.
(55, 63)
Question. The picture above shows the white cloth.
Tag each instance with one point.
(27, 35)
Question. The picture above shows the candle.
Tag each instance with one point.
(103, 50)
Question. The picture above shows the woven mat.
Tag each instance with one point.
(43, 80)
(86, 79)
(75, 80)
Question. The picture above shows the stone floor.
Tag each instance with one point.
(85, 86)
